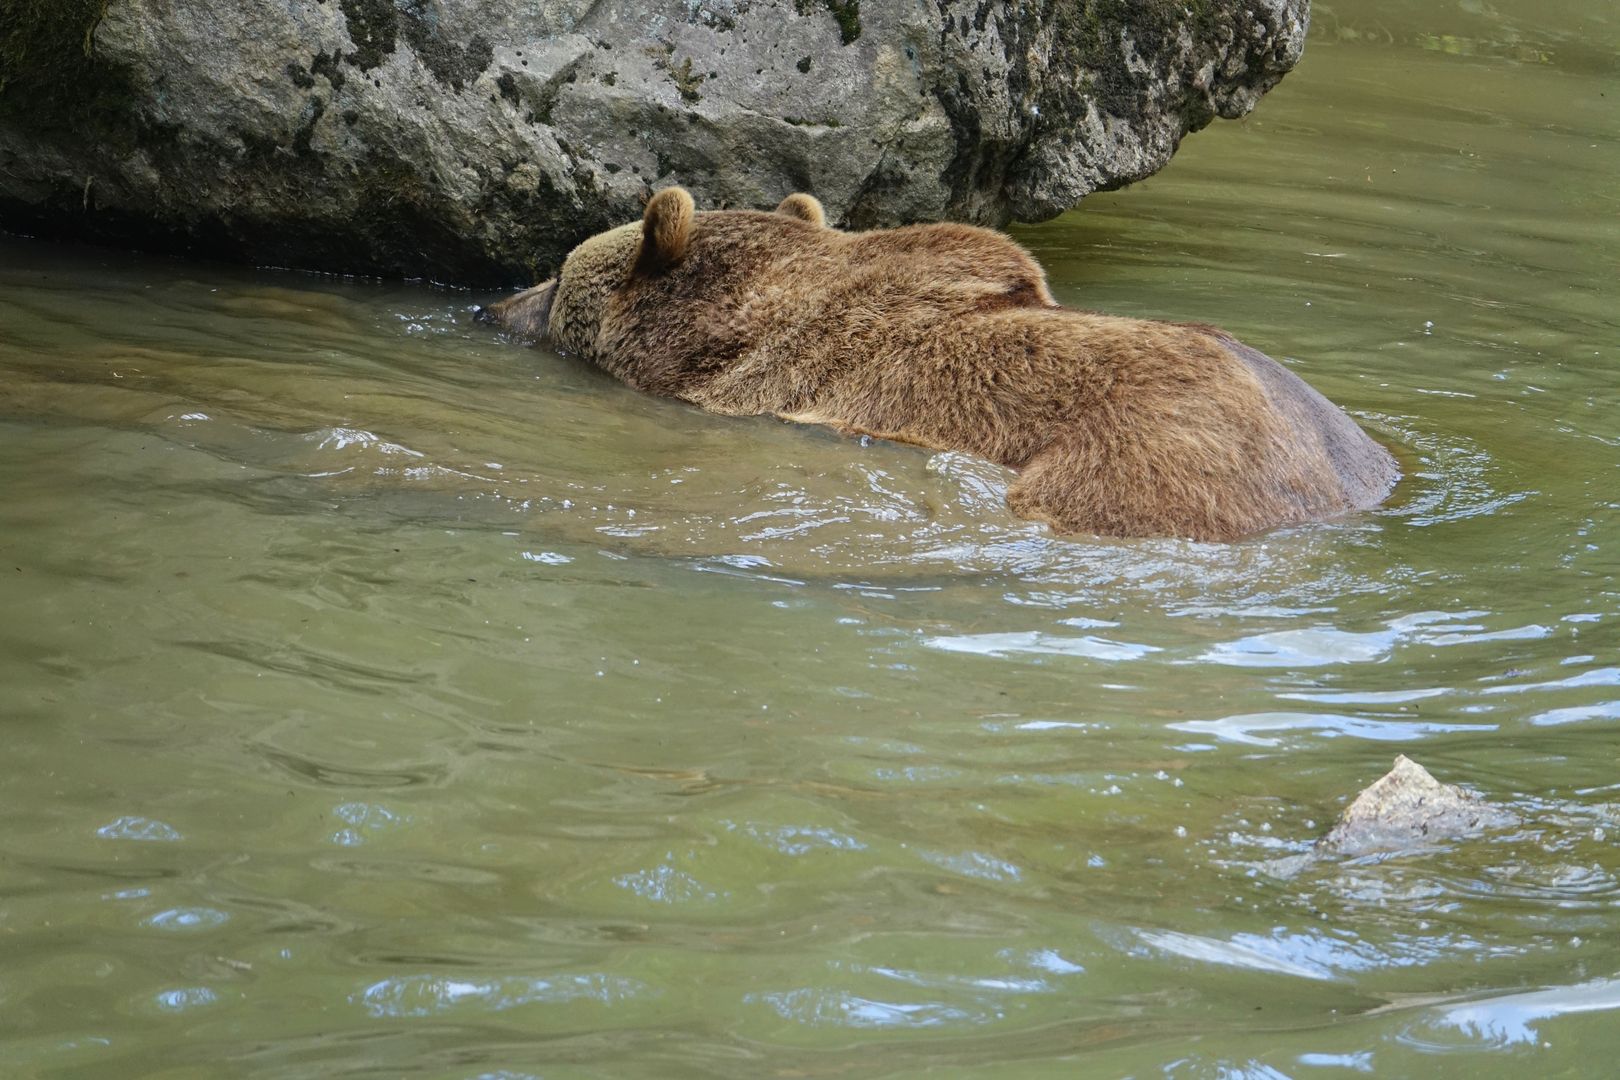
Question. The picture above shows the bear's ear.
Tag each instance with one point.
(665, 229)
(804, 207)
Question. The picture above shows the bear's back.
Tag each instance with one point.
(736, 254)
(961, 262)
(752, 281)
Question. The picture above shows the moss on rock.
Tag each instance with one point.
(45, 44)
(376, 26)
(846, 13)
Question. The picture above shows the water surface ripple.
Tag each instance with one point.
(383, 696)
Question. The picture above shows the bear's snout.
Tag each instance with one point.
(525, 315)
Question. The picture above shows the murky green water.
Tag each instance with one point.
(382, 698)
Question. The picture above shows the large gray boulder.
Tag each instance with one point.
(478, 140)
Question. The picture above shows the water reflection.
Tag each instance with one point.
(1326, 645)
(139, 828)
(1249, 728)
(1362, 1062)
(1036, 642)
(1513, 1018)
(1304, 956)
(841, 1009)
(362, 821)
(664, 884)
(187, 919)
(798, 839)
(427, 995)
(186, 998)
(974, 864)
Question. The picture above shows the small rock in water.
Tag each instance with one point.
(1407, 808)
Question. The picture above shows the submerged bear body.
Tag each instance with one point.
(946, 336)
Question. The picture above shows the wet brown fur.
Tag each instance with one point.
(806, 208)
(947, 336)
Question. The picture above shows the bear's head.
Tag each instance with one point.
(605, 263)
(567, 310)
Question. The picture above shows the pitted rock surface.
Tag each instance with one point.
(1407, 809)
(479, 140)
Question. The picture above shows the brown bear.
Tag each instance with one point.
(947, 336)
